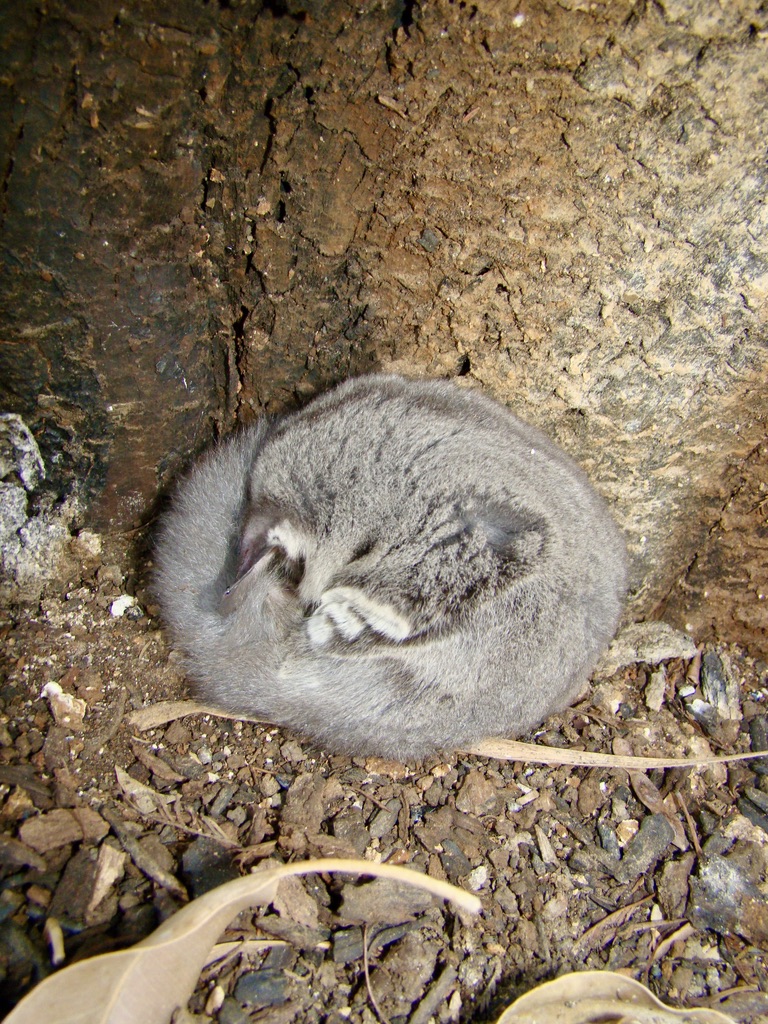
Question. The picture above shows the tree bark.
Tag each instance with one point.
(212, 211)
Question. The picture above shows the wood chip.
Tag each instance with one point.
(51, 830)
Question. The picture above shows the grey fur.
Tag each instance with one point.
(400, 567)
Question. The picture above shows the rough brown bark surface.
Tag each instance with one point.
(216, 212)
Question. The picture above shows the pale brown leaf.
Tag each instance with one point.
(513, 750)
(147, 983)
(589, 997)
(496, 747)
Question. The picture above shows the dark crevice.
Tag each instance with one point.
(236, 358)
(239, 325)
(272, 121)
(280, 9)
(405, 19)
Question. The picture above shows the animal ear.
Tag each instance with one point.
(264, 545)
(517, 534)
(348, 612)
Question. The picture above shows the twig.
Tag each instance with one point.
(689, 822)
(437, 994)
(617, 918)
(377, 1009)
(105, 734)
(158, 819)
(145, 864)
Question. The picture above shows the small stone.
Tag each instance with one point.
(258, 989)
(51, 830)
(87, 545)
(455, 863)
(223, 799)
(14, 855)
(383, 901)
(120, 605)
(232, 1013)
(110, 868)
(477, 795)
(720, 686)
(609, 839)
(429, 241)
(647, 642)
(75, 890)
(89, 686)
(292, 901)
(348, 824)
(546, 849)
(385, 820)
(705, 714)
(347, 945)
(645, 849)
(477, 878)
(91, 822)
(626, 830)
(723, 898)
(207, 864)
(672, 885)
(215, 1000)
(383, 766)
(758, 798)
(655, 690)
(39, 894)
(292, 751)
(68, 711)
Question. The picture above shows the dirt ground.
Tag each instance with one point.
(109, 828)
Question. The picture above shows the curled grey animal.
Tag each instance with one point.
(400, 567)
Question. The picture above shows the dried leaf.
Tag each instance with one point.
(513, 750)
(156, 764)
(593, 996)
(147, 983)
(169, 710)
(110, 867)
(496, 747)
(650, 797)
(145, 799)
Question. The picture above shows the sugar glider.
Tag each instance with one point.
(401, 567)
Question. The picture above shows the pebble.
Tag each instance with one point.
(385, 820)
(758, 735)
(232, 1013)
(477, 795)
(644, 849)
(723, 899)
(120, 605)
(68, 711)
(258, 989)
(348, 942)
(207, 864)
(477, 878)
(720, 686)
(655, 690)
(455, 864)
(383, 901)
(648, 642)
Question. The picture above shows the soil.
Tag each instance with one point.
(576, 868)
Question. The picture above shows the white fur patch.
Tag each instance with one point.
(294, 543)
(349, 611)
